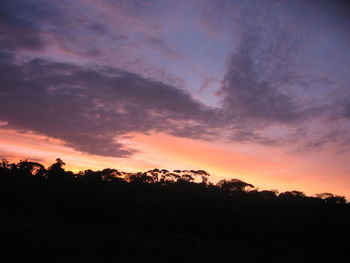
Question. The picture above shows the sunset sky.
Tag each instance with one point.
(252, 89)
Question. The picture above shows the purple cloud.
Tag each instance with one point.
(82, 72)
(89, 108)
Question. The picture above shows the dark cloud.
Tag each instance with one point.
(89, 108)
(249, 137)
(257, 86)
(98, 28)
(21, 23)
(248, 97)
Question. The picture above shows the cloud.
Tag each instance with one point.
(261, 73)
(250, 97)
(159, 45)
(274, 86)
(249, 137)
(19, 24)
(90, 83)
(346, 110)
(89, 108)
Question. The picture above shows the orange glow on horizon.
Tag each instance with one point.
(263, 166)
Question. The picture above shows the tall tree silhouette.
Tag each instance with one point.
(56, 171)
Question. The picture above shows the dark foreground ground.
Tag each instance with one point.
(66, 219)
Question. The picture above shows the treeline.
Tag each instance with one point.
(161, 177)
(54, 215)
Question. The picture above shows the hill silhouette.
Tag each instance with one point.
(54, 215)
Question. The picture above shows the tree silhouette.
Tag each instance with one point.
(141, 178)
(292, 195)
(162, 216)
(55, 171)
(234, 185)
(31, 168)
(332, 199)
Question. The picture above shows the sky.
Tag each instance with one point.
(250, 89)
